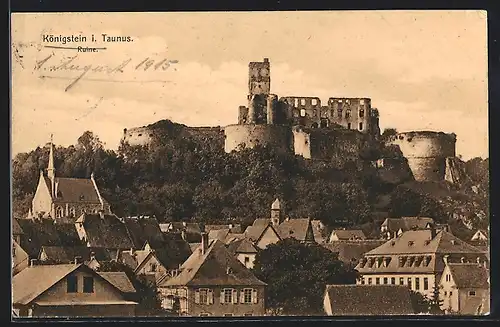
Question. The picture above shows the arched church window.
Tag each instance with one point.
(72, 212)
(59, 212)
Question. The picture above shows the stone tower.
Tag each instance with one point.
(259, 86)
(276, 212)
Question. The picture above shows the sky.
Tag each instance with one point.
(423, 70)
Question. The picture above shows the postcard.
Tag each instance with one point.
(250, 164)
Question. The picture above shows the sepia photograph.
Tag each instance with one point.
(249, 164)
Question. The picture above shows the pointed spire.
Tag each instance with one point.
(276, 205)
(51, 171)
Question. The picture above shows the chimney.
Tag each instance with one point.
(33, 262)
(101, 214)
(433, 231)
(204, 243)
(78, 260)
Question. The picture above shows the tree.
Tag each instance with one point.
(297, 275)
(419, 302)
(147, 294)
(388, 132)
(435, 302)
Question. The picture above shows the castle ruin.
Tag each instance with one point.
(301, 125)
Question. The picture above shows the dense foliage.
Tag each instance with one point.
(187, 177)
(297, 275)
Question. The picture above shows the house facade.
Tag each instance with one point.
(415, 259)
(212, 282)
(346, 235)
(20, 259)
(465, 289)
(58, 197)
(69, 290)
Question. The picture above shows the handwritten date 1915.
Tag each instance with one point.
(148, 63)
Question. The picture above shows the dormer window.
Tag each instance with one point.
(229, 270)
(427, 242)
(410, 243)
(82, 197)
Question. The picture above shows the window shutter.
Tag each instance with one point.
(242, 296)
(235, 296)
(222, 296)
(197, 296)
(210, 296)
(254, 296)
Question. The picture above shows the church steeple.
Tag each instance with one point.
(276, 213)
(51, 171)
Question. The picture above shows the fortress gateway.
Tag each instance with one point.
(301, 125)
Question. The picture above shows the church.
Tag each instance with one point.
(60, 197)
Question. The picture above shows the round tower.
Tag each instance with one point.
(426, 152)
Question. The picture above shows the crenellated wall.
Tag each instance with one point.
(426, 152)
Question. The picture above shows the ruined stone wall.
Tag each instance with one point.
(138, 135)
(351, 113)
(302, 111)
(278, 136)
(259, 77)
(328, 144)
(426, 152)
(214, 135)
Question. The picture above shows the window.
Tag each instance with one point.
(59, 212)
(302, 112)
(72, 212)
(361, 113)
(377, 281)
(153, 267)
(72, 284)
(348, 125)
(348, 113)
(228, 295)
(409, 282)
(360, 126)
(472, 293)
(204, 296)
(369, 281)
(417, 283)
(451, 293)
(401, 281)
(393, 281)
(426, 283)
(302, 102)
(332, 112)
(362, 281)
(314, 102)
(88, 285)
(385, 280)
(361, 101)
(296, 101)
(247, 295)
(247, 260)
(339, 113)
(445, 293)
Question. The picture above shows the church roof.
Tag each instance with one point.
(217, 266)
(78, 190)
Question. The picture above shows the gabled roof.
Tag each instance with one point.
(355, 300)
(296, 228)
(469, 275)
(120, 280)
(241, 246)
(67, 254)
(31, 282)
(406, 223)
(421, 242)
(16, 228)
(218, 234)
(142, 230)
(349, 234)
(171, 253)
(38, 233)
(106, 231)
(76, 190)
(254, 233)
(215, 267)
(233, 228)
(352, 251)
(261, 222)
(178, 226)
